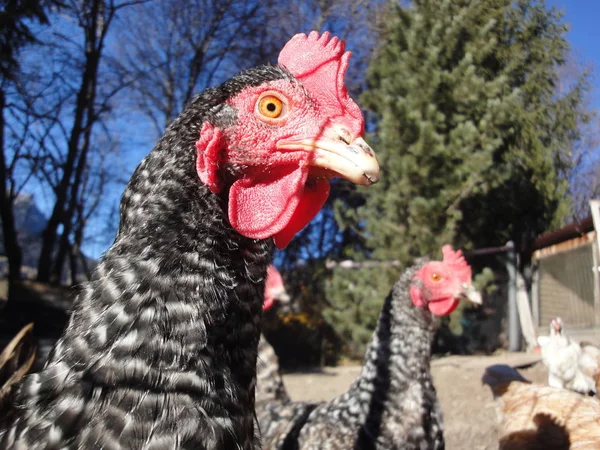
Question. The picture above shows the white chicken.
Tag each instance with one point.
(590, 361)
(567, 363)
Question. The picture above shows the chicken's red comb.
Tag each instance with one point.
(305, 56)
(457, 262)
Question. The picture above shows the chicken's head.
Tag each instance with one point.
(556, 326)
(274, 289)
(281, 134)
(440, 285)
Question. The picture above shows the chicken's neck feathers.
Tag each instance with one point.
(392, 404)
(401, 343)
(172, 291)
(397, 355)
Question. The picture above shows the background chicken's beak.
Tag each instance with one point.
(282, 296)
(469, 293)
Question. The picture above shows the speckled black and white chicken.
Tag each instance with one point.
(269, 383)
(160, 350)
(393, 403)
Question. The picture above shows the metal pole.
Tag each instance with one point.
(514, 335)
(595, 207)
(596, 277)
(535, 293)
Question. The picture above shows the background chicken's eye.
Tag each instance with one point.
(270, 106)
(436, 277)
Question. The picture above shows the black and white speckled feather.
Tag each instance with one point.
(160, 351)
(391, 405)
(269, 383)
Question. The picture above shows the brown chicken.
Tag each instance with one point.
(542, 417)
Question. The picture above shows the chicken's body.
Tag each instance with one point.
(590, 362)
(565, 361)
(152, 356)
(160, 350)
(391, 405)
(542, 417)
(269, 383)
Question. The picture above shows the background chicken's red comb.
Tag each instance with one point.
(318, 62)
(274, 278)
(457, 262)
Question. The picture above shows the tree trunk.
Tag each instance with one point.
(75, 201)
(75, 254)
(11, 244)
(62, 214)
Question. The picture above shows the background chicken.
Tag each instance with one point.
(392, 404)
(568, 366)
(160, 350)
(590, 362)
(269, 384)
(542, 417)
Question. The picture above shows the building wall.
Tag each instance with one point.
(567, 284)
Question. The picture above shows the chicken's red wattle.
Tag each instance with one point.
(443, 307)
(276, 203)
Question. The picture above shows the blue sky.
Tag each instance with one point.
(583, 17)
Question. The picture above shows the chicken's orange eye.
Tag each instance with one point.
(436, 277)
(270, 106)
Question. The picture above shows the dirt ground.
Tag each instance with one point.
(469, 414)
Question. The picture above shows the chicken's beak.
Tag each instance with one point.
(336, 154)
(556, 324)
(282, 297)
(469, 293)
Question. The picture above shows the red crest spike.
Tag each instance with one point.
(319, 61)
(457, 262)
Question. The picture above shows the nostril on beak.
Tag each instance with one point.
(344, 135)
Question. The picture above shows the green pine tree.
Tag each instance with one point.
(471, 132)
